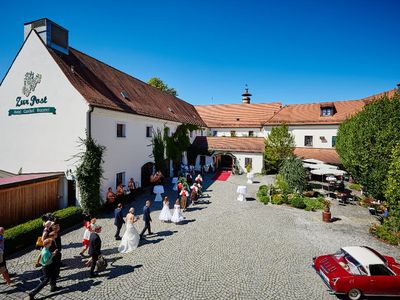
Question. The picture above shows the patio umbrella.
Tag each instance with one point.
(328, 171)
(313, 161)
(325, 166)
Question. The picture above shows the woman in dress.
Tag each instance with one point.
(177, 217)
(165, 214)
(130, 239)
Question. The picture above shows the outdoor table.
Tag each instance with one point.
(158, 190)
(242, 191)
(250, 177)
(175, 182)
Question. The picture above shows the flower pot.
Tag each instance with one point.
(326, 216)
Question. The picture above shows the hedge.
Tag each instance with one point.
(263, 194)
(26, 234)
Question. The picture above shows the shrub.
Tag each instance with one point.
(298, 201)
(313, 204)
(355, 186)
(281, 184)
(277, 199)
(263, 194)
(25, 234)
(384, 233)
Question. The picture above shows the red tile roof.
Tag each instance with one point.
(237, 115)
(235, 144)
(326, 155)
(101, 85)
(297, 114)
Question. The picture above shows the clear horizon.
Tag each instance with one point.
(289, 52)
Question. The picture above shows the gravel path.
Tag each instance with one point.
(225, 250)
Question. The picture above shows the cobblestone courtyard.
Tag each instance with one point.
(226, 249)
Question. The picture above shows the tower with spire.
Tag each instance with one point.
(246, 96)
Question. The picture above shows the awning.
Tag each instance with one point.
(313, 161)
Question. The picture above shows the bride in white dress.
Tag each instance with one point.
(131, 238)
(177, 217)
(165, 214)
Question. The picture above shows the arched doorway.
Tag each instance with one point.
(226, 162)
(146, 172)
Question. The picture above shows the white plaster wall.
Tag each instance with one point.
(258, 132)
(40, 142)
(316, 131)
(127, 154)
(257, 160)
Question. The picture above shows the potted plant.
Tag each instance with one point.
(326, 214)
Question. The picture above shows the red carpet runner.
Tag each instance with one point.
(222, 175)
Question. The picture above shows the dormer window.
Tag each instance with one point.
(327, 109)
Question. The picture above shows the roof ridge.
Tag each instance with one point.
(124, 73)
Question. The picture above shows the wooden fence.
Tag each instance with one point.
(21, 203)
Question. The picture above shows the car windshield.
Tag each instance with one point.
(380, 270)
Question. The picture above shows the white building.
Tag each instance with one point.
(234, 127)
(53, 94)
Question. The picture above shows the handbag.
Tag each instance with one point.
(101, 263)
(39, 242)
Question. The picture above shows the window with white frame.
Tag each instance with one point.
(167, 131)
(214, 133)
(308, 141)
(149, 131)
(119, 178)
(191, 133)
(251, 133)
(233, 133)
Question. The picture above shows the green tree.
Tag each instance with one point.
(365, 142)
(161, 85)
(392, 193)
(279, 144)
(177, 143)
(293, 172)
(158, 145)
(89, 174)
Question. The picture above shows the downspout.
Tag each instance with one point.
(89, 121)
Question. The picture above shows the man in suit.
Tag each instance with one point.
(94, 249)
(146, 218)
(118, 220)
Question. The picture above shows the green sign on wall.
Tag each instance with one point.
(31, 80)
(34, 110)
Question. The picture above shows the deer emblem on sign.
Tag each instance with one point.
(30, 82)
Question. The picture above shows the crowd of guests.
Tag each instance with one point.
(49, 243)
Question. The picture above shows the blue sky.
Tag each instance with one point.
(287, 51)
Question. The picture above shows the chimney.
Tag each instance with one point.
(246, 96)
(52, 34)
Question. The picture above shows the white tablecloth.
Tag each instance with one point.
(175, 182)
(250, 177)
(242, 191)
(158, 189)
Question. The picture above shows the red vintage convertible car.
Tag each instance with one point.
(359, 270)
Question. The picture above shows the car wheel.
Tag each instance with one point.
(354, 294)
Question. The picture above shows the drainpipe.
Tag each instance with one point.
(89, 121)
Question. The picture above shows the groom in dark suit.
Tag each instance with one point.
(146, 218)
(118, 220)
(94, 249)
